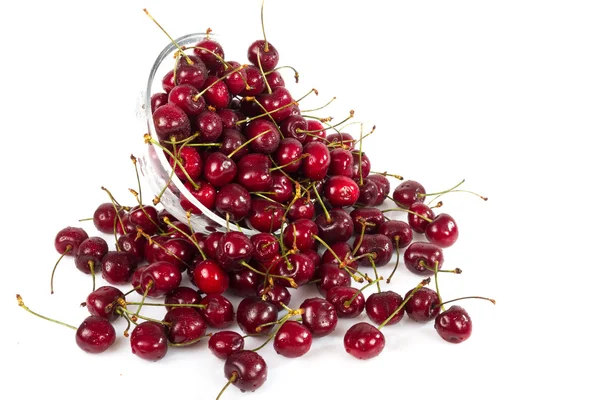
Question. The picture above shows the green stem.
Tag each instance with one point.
(401, 306)
(24, 307)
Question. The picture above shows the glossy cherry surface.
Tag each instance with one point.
(423, 305)
(442, 230)
(421, 258)
(454, 325)
(381, 305)
(102, 302)
(319, 316)
(218, 313)
(292, 339)
(224, 343)
(148, 340)
(253, 312)
(95, 334)
(364, 341)
(248, 368)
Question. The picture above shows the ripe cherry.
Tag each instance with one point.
(104, 218)
(171, 123)
(278, 103)
(288, 155)
(417, 223)
(253, 312)
(233, 249)
(317, 161)
(157, 100)
(381, 305)
(218, 312)
(265, 215)
(364, 341)
(149, 341)
(117, 267)
(210, 52)
(246, 370)
(371, 217)
(380, 246)
(224, 343)
(408, 192)
(341, 191)
(331, 275)
(292, 339)
(186, 326)
(209, 126)
(454, 325)
(442, 230)
(341, 162)
(186, 97)
(264, 135)
(253, 172)
(294, 126)
(219, 169)
(263, 54)
(67, 240)
(89, 254)
(210, 277)
(301, 208)
(244, 283)
(233, 200)
(422, 257)
(349, 302)
(102, 302)
(398, 231)
(320, 316)
(302, 269)
(339, 227)
(282, 189)
(95, 334)
(182, 295)
(146, 218)
(192, 165)
(133, 245)
(423, 306)
(206, 194)
(300, 234)
(276, 294)
(159, 278)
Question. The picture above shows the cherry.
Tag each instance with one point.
(216, 92)
(89, 254)
(117, 267)
(209, 126)
(179, 252)
(211, 244)
(253, 172)
(95, 334)
(417, 223)
(317, 132)
(380, 306)
(398, 231)
(274, 79)
(364, 341)
(206, 194)
(370, 194)
(454, 325)
(265, 215)
(264, 135)
(191, 162)
(294, 126)
(124, 225)
(229, 118)
(379, 245)
(314, 256)
(151, 247)
(256, 85)
(339, 296)
(235, 81)
(275, 294)
(342, 140)
(320, 316)
(421, 258)
(364, 163)
(224, 343)
(159, 278)
(331, 276)
(300, 234)
(263, 54)
(423, 306)
(234, 248)
(146, 218)
(442, 230)
(210, 277)
(194, 75)
(288, 155)
(292, 339)
(136, 279)
(157, 100)
(246, 370)
(338, 228)
(182, 295)
(282, 189)
(104, 218)
(186, 97)
(178, 230)
(102, 302)
(266, 247)
(277, 103)
(341, 162)
(233, 200)
(171, 122)
(342, 250)
(67, 240)
(381, 181)
(301, 208)
(244, 283)
(219, 169)
(210, 52)
(298, 267)
(185, 325)
(341, 191)
(317, 161)
(253, 312)
(149, 341)
(218, 312)
(371, 217)
(407, 193)
(133, 245)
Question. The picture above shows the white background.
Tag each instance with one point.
(504, 94)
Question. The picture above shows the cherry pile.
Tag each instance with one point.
(238, 140)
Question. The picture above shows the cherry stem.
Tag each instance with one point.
(318, 196)
(290, 163)
(296, 74)
(115, 203)
(287, 278)
(232, 379)
(377, 279)
(443, 192)
(351, 115)
(248, 142)
(175, 159)
(328, 248)
(24, 307)
(138, 303)
(191, 342)
(85, 219)
(135, 316)
(67, 250)
(360, 239)
(385, 173)
(348, 303)
(91, 265)
(262, 71)
(437, 288)
(397, 261)
(464, 298)
(189, 237)
(408, 211)
(141, 304)
(457, 271)
(137, 175)
(241, 67)
(401, 306)
(280, 324)
(360, 153)
(262, 23)
(320, 108)
(189, 61)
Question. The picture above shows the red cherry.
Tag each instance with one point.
(95, 334)
(442, 230)
(292, 340)
(149, 341)
(454, 325)
(341, 191)
(364, 341)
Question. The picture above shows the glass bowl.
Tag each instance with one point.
(154, 164)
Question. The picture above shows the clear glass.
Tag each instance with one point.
(154, 165)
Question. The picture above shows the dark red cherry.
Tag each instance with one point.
(105, 217)
(182, 295)
(278, 103)
(89, 254)
(301, 208)
(157, 100)
(146, 218)
(398, 231)
(266, 246)
(256, 85)
(364, 341)
(171, 122)
(282, 189)
(341, 191)
(206, 194)
(233, 199)
(317, 161)
(159, 278)
(230, 118)
(454, 325)
(218, 312)
(339, 295)
(179, 252)
(343, 251)
(245, 282)
(417, 223)
(178, 230)
(210, 277)
(210, 52)
(421, 258)
(332, 275)
(219, 170)
(381, 181)
(288, 155)
(152, 246)
(67, 240)
(117, 267)
(371, 217)
(186, 97)
(379, 245)
(95, 334)
(211, 244)
(247, 369)
(194, 75)
(442, 230)
(299, 267)
(149, 341)
(133, 245)
(102, 302)
(275, 294)
(274, 79)
(124, 225)
(233, 140)
(265, 215)
(364, 163)
(266, 134)
(320, 316)
(314, 256)
(315, 131)
(185, 325)
(341, 162)
(209, 126)
(224, 343)
(263, 55)
(346, 141)
(300, 234)
(371, 194)
(292, 340)
(253, 312)
(254, 173)
(407, 193)
(423, 305)
(234, 248)
(294, 126)
(380, 306)
(235, 81)
(136, 278)
(338, 229)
